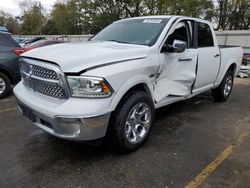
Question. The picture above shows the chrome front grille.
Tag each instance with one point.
(44, 72)
(44, 78)
(49, 89)
(27, 81)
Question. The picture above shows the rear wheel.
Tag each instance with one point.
(132, 121)
(223, 91)
(5, 85)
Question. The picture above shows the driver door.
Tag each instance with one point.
(178, 69)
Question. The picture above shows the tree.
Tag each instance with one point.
(104, 12)
(50, 28)
(197, 8)
(2, 18)
(33, 17)
(67, 17)
(101, 13)
(233, 14)
(133, 7)
(90, 16)
(9, 22)
(223, 12)
(240, 15)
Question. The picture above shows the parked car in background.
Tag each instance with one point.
(29, 41)
(42, 42)
(19, 40)
(112, 84)
(9, 67)
(3, 29)
(246, 59)
(245, 66)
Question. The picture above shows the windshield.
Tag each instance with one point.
(133, 31)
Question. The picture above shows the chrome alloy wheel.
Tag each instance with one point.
(138, 123)
(2, 85)
(228, 85)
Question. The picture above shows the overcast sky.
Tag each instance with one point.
(11, 6)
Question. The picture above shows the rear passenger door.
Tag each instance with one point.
(208, 57)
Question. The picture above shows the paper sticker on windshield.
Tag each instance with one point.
(152, 21)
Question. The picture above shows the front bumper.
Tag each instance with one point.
(73, 119)
(79, 129)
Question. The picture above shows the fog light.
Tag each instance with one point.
(69, 126)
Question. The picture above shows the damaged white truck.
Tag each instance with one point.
(112, 84)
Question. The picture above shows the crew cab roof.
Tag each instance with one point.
(166, 17)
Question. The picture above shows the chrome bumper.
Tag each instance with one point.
(79, 129)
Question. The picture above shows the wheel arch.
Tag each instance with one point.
(4, 71)
(138, 84)
(233, 68)
(229, 66)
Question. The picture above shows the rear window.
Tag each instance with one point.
(205, 37)
(7, 41)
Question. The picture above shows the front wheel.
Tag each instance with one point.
(5, 85)
(132, 120)
(223, 91)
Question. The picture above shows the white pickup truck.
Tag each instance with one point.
(112, 84)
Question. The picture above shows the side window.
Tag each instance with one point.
(181, 32)
(205, 37)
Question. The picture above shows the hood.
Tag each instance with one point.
(75, 57)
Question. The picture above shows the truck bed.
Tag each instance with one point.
(229, 54)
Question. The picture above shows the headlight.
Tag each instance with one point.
(88, 87)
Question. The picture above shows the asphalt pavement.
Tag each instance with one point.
(192, 141)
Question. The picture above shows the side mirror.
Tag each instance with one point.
(177, 47)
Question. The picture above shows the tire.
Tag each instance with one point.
(223, 91)
(5, 85)
(127, 123)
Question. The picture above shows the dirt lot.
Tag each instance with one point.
(185, 139)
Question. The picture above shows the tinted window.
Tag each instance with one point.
(133, 31)
(7, 41)
(205, 37)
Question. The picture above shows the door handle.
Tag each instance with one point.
(216, 55)
(185, 59)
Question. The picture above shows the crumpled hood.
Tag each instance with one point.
(75, 57)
